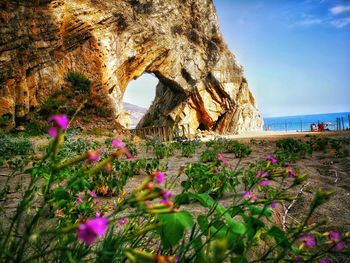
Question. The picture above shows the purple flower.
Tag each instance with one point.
(160, 176)
(272, 159)
(274, 204)
(92, 229)
(324, 260)
(60, 121)
(291, 174)
(339, 246)
(92, 194)
(264, 182)
(93, 156)
(167, 194)
(123, 221)
(249, 196)
(308, 240)
(334, 236)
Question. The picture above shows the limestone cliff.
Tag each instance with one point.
(115, 41)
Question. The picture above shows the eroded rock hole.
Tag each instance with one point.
(138, 97)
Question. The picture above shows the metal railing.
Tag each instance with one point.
(339, 124)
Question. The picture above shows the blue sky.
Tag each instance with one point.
(296, 54)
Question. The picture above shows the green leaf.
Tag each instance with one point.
(183, 198)
(239, 259)
(173, 227)
(203, 224)
(205, 199)
(279, 236)
(235, 226)
(60, 194)
(260, 210)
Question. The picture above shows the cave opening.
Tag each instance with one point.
(138, 97)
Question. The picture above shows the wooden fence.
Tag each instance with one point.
(163, 133)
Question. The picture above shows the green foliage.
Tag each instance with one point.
(292, 149)
(209, 156)
(34, 128)
(240, 150)
(188, 148)
(11, 146)
(77, 146)
(4, 120)
(229, 146)
(209, 179)
(144, 225)
(162, 151)
(79, 81)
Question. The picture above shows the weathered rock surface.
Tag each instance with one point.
(115, 41)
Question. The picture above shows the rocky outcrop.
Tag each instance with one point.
(112, 42)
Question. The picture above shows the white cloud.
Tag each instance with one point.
(309, 22)
(340, 23)
(339, 9)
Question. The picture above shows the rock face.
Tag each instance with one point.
(114, 41)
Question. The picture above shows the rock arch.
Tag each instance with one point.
(113, 42)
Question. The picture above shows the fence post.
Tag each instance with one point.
(342, 122)
(338, 126)
(301, 125)
(285, 125)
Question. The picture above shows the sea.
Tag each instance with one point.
(333, 121)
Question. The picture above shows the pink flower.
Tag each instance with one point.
(123, 221)
(272, 159)
(166, 196)
(98, 214)
(93, 156)
(308, 240)
(92, 229)
(221, 157)
(121, 145)
(79, 200)
(324, 260)
(160, 177)
(118, 143)
(92, 194)
(261, 174)
(249, 196)
(128, 155)
(264, 182)
(60, 121)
